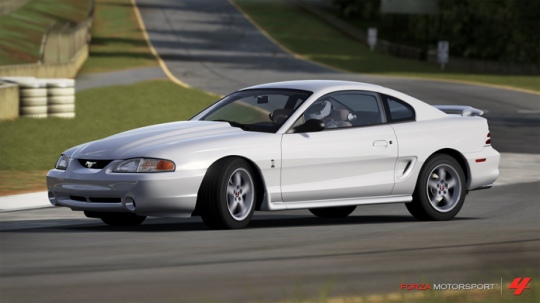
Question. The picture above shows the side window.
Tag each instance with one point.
(346, 109)
(397, 110)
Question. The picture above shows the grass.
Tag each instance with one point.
(117, 41)
(33, 145)
(21, 31)
(313, 39)
(19, 182)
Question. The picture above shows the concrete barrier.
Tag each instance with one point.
(8, 6)
(38, 70)
(9, 101)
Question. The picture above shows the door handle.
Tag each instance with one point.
(380, 144)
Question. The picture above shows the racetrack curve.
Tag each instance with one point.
(55, 255)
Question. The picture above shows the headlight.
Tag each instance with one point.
(62, 162)
(141, 165)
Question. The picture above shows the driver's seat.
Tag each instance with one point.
(279, 116)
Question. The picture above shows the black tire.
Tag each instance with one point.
(333, 212)
(122, 219)
(228, 194)
(441, 178)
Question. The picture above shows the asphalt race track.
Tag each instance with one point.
(56, 255)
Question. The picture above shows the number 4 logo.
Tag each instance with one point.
(519, 284)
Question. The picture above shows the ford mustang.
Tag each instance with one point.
(325, 146)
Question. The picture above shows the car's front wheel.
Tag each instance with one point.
(228, 194)
(333, 212)
(440, 190)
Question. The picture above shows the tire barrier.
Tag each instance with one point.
(53, 100)
(61, 98)
(33, 99)
(42, 98)
(34, 111)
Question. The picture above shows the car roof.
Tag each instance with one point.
(319, 88)
(318, 85)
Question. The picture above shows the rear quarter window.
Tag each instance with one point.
(398, 110)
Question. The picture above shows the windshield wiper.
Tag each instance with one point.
(235, 124)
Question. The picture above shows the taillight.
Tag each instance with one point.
(488, 141)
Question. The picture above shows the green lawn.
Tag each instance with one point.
(35, 144)
(117, 41)
(308, 36)
(21, 31)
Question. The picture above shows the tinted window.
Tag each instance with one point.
(346, 109)
(397, 110)
(257, 110)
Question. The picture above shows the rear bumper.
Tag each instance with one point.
(483, 168)
(160, 194)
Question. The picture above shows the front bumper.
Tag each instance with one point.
(172, 194)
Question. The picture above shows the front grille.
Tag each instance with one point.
(95, 164)
(77, 198)
(105, 200)
(96, 199)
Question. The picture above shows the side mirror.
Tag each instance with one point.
(311, 126)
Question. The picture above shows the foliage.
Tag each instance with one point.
(306, 35)
(504, 30)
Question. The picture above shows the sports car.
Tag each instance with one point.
(325, 146)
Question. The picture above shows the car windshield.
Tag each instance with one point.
(256, 109)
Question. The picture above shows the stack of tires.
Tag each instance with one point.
(61, 98)
(33, 98)
(42, 98)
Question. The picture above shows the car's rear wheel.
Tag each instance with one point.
(440, 190)
(333, 212)
(228, 194)
(121, 219)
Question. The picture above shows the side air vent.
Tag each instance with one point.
(404, 167)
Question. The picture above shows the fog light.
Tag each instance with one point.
(52, 198)
(129, 203)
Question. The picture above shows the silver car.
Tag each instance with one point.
(326, 146)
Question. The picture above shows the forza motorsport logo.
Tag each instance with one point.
(518, 285)
(448, 286)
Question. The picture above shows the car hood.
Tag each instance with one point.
(152, 140)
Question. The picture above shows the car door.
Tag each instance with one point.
(353, 159)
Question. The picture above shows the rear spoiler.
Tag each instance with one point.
(460, 110)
